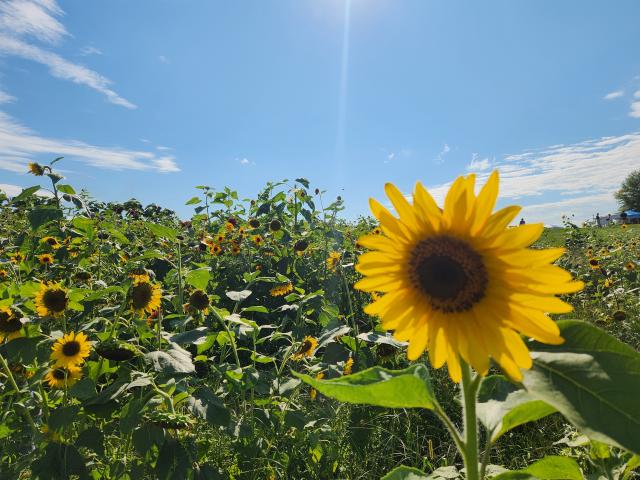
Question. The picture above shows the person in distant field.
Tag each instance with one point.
(608, 219)
(623, 216)
(522, 222)
(598, 219)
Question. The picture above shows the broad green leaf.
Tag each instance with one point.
(26, 192)
(174, 360)
(547, 468)
(239, 296)
(193, 201)
(192, 337)
(381, 387)
(198, 278)
(405, 473)
(593, 380)
(256, 308)
(42, 215)
(91, 438)
(161, 230)
(66, 189)
(205, 404)
(502, 406)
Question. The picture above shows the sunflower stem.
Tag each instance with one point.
(12, 381)
(469, 396)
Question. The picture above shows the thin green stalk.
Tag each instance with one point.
(13, 383)
(469, 396)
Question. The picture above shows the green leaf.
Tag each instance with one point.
(193, 201)
(26, 192)
(63, 416)
(192, 337)
(502, 406)
(593, 380)
(91, 438)
(548, 468)
(205, 404)
(42, 215)
(161, 230)
(239, 296)
(66, 189)
(198, 278)
(174, 360)
(256, 308)
(405, 473)
(381, 387)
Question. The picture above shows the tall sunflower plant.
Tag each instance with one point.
(464, 289)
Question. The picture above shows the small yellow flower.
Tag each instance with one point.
(71, 349)
(3, 274)
(58, 376)
(51, 300)
(51, 242)
(229, 227)
(235, 250)
(333, 260)
(629, 266)
(313, 393)
(348, 366)
(608, 283)
(220, 238)
(17, 258)
(10, 324)
(624, 226)
(280, 290)
(594, 263)
(257, 240)
(309, 345)
(45, 259)
(216, 249)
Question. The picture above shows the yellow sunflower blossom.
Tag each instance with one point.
(594, 263)
(145, 297)
(461, 284)
(333, 260)
(3, 274)
(313, 393)
(257, 240)
(51, 300)
(17, 258)
(51, 242)
(348, 366)
(45, 259)
(629, 266)
(309, 345)
(57, 376)
(36, 169)
(280, 290)
(71, 349)
(10, 324)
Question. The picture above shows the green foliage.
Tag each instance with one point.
(629, 194)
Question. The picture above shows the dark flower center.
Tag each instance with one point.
(59, 374)
(55, 300)
(9, 323)
(71, 348)
(275, 225)
(141, 295)
(199, 300)
(301, 245)
(449, 272)
(254, 223)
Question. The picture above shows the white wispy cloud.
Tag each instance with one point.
(585, 175)
(478, 164)
(90, 50)
(19, 145)
(244, 161)
(613, 95)
(12, 190)
(445, 149)
(6, 98)
(635, 106)
(22, 20)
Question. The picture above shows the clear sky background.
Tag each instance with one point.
(149, 98)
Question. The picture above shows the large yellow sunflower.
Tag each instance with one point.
(51, 300)
(58, 376)
(71, 349)
(10, 324)
(145, 297)
(459, 282)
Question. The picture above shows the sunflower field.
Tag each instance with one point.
(270, 338)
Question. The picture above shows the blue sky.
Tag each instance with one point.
(152, 97)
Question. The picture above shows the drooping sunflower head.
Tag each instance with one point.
(459, 282)
(301, 245)
(199, 300)
(629, 266)
(309, 345)
(71, 349)
(36, 169)
(58, 376)
(333, 260)
(45, 259)
(10, 324)
(51, 300)
(254, 223)
(275, 225)
(145, 297)
(82, 276)
(51, 242)
(280, 290)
